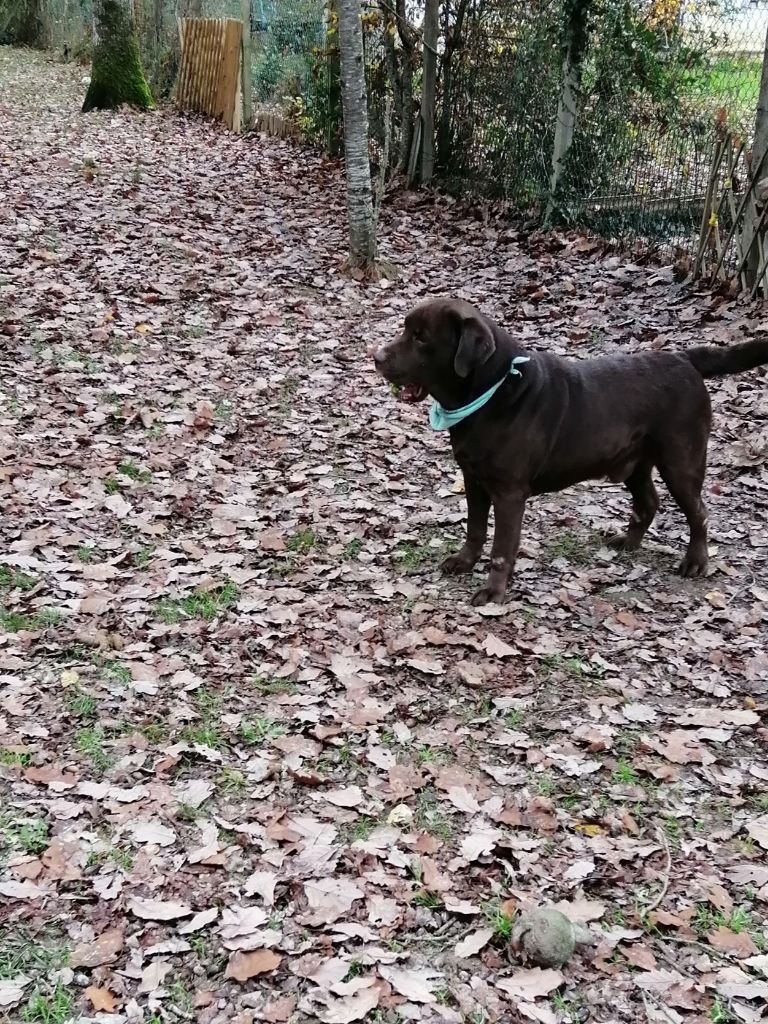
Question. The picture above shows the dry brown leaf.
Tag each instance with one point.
(103, 949)
(740, 944)
(101, 999)
(242, 966)
(532, 983)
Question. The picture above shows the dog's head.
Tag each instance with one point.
(442, 345)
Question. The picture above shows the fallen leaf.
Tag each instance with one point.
(758, 830)
(153, 832)
(199, 921)
(473, 943)
(12, 989)
(158, 910)
(242, 966)
(348, 796)
(102, 950)
(350, 1008)
(21, 890)
(413, 983)
(496, 648)
(531, 983)
(740, 944)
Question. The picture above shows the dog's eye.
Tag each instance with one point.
(420, 340)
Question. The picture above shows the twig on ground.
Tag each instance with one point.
(663, 892)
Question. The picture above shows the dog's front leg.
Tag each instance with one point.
(478, 508)
(508, 509)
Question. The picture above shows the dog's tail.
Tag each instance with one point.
(712, 361)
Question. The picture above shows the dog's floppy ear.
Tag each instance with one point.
(476, 345)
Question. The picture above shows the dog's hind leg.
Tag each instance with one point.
(645, 503)
(684, 477)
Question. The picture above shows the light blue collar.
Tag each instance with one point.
(444, 419)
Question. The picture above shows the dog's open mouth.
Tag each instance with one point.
(409, 392)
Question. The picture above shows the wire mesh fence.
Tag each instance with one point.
(659, 84)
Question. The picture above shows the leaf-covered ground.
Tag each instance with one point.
(258, 760)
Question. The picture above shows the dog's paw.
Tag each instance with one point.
(622, 542)
(487, 595)
(694, 564)
(460, 562)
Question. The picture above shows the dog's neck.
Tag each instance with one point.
(460, 391)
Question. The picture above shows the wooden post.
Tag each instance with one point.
(245, 13)
(429, 89)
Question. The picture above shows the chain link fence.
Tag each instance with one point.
(660, 81)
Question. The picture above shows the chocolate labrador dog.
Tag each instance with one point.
(524, 423)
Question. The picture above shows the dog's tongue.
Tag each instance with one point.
(411, 393)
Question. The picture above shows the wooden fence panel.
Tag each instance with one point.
(209, 76)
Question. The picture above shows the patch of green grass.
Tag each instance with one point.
(134, 472)
(55, 1008)
(412, 555)
(571, 547)
(672, 827)
(428, 899)
(143, 556)
(224, 410)
(91, 743)
(544, 784)
(17, 622)
(624, 773)
(270, 685)
(28, 835)
(287, 394)
(81, 704)
(202, 604)
(514, 718)
(181, 996)
(356, 969)
(186, 812)
(87, 553)
(302, 541)
(119, 673)
(155, 732)
(258, 731)
(429, 817)
(361, 828)
(205, 734)
(352, 549)
(501, 923)
(739, 920)
(21, 954)
(15, 758)
(111, 485)
(111, 855)
(10, 579)
(719, 1013)
(231, 781)
(574, 666)
(433, 755)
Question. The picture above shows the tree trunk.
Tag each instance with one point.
(117, 76)
(247, 87)
(429, 89)
(362, 228)
(408, 42)
(453, 39)
(575, 44)
(750, 242)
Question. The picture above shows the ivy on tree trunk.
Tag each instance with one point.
(117, 76)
